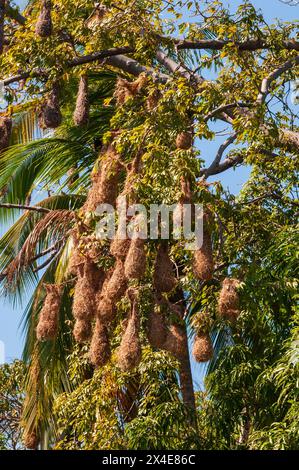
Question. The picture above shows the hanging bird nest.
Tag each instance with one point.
(202, 348)
(184, 140)
(113, 290)
(5, 131)
(120, 245)
(175, 341)
(82, 330)
(125, 90)
(31, 439)
(81, 113)
(229, 301)
(99, 352)
(203, 263)
(104, 187)
(135, 263)
(86, 288)
(49, 315)
(129, 351)
(43, 27)
(91, 247)
(156, 328)
(164, 278)
(50, 115)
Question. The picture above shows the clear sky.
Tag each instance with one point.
(10, 316)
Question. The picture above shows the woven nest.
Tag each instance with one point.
(82, 330)
(50, 116)
(129, 351)
(125, 90)
(229, 302)
(43, 27)
(81, 113)
(164, 278)
(84, 305)
(203, 263)
(5, 131)
(31, 440)
(91, 247)
(202, 348)
(49, 315)
(184, 140)
(120, 246)
(135, 263)
(99, 352)
(175, 341)
(113, 290)
(104, 187)
(156, 329)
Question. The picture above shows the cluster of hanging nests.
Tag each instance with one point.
(97, 292)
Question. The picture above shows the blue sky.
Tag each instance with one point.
(10, 316)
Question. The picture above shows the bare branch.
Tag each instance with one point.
(250, 45)
(24, 207)
(264, 90)
(174, 67)
(212, 169)
(14, 14)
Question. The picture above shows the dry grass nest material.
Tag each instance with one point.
(50, 115)
(31, 440)
(81, 113)
(5, 131)
(125, 90)
(164, 278)
(203, 262)
(184, 140)
(202, 348)
(43, 27)
(104, 188)
(129, 351)
(229, 301)
(135, 263)
(114, 288)
(99, 352)
(47, 327)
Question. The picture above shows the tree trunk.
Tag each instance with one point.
(185, 373)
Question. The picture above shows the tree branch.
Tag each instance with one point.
(14, 14)
(264, 90)
(174, 67)
(22, 206)
(216, 162)
(217, 45)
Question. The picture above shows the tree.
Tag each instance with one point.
(132, 129)
(11, 401)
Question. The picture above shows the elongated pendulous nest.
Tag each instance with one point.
(164, 278)
(135, 263)
(5, 131)
(47, 327)
(129, 351)
(43, 27)
(202, 348)
(99, 352)
(203, 262)
(229, 301)
(81, 113)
